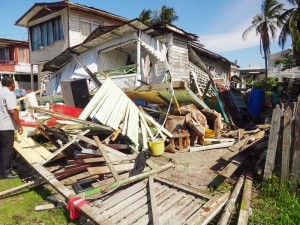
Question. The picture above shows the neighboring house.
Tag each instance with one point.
(14, 62)
(251, 74)
(289, 77)
(54, 27)
(134, 54)
(275, 71)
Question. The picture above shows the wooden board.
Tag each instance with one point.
(295, 170)
(273, 141)
(286, 143)
(105, 169)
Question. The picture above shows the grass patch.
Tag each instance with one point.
(276, 203)
(19, 209)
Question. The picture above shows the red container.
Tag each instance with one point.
(63, 109)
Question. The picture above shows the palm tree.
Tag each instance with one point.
(291, 28)
(165, 14)
(265, 25)
(146, 16)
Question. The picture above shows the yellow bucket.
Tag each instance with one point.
(157, 147)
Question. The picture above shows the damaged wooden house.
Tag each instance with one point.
(124, 86)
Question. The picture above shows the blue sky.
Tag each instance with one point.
(218, 23)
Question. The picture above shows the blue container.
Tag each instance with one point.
(256, 101)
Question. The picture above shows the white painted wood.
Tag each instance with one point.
(210, 147)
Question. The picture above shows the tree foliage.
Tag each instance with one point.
(164, 14)
(291, 28)
(265, 24)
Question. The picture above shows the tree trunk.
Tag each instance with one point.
(266, 68)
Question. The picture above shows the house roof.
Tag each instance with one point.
(55, 6)
(11, 41)
(97, 37)
(199, 49)
(162, 27)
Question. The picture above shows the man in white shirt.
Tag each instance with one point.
(9, 122)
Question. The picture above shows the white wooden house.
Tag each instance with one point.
(135, 54)
(54, 27)
(159, 53)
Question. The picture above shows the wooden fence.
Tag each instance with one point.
(283, 151)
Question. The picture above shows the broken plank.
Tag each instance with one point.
(234, 165)
(286, 143)
(18, 189)
(246, 200)
(230, 206)
(128, 180)
(105, 169)
(154, 210)
(44, 207)
(106, 158)
(182, 188)
(92, 142)
(62, 148)
(295, 169)
(210, 147)
(207, 216)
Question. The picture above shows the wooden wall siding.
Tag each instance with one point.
(154, 46)
(179, 64)
(219, 66)
(112, 59)
(51, 51)
(159, 72)
(75, 18)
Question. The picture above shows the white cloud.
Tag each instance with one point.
(230, 41)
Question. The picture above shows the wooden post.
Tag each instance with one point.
(286, 143)
(76, 57)
(138, 60)
(31, 77)
(295, 171)
(273, 141)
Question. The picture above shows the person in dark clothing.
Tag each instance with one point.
(9, 122)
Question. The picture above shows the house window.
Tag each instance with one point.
(46, 33)
(87, 27)
(22, 54)
(4, 53)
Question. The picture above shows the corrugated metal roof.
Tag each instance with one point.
(60, 60)
(198, 48)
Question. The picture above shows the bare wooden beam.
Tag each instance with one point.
(106, 158)
(231, 201)
(286, 143)
(246, 200)
(155, 215)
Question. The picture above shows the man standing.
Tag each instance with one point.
(9, 122)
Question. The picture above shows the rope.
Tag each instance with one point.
(173, 94)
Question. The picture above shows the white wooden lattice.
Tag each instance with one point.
(201, 78)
